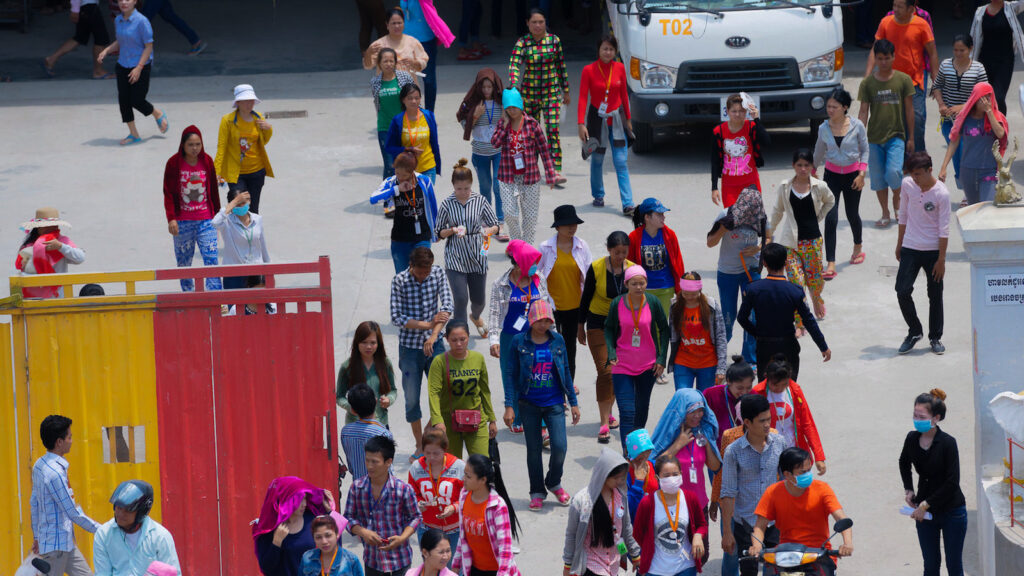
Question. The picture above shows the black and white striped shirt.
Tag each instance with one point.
(462, 253)
(956, 89)
(483, 128)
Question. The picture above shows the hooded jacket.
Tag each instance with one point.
(805, 431)
(525, 256)
(172, 178)
(577, 531)
(474, 96)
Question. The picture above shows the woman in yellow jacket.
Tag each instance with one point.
(242, 160)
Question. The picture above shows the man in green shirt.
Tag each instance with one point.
(888, 95)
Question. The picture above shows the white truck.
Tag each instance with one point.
(684, 57)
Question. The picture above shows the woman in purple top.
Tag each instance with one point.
(724, 399)
(637, 335)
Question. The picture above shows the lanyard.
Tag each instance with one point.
(322, 571)
(728, 408)
(529, 298)
(490, 112)
(435, 485)
(689, 447)
(635, 314)
(411, 201)
(673, 522)
(607, 77)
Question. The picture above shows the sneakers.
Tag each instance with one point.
(545, 438)
(562, 495)
(536, 504)
(663, 379)
(197, 49)
(627, 211)
(909, 342)
(517, 429)
(598, 203)
(937, 347)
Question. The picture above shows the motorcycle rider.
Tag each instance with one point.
(128, 543)
(800, 506)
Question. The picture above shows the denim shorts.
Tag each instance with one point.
(885, 163)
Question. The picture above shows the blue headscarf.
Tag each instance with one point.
(672, 420)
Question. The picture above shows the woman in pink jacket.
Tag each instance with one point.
(488, 524)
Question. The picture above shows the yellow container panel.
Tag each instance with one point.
(15, 484)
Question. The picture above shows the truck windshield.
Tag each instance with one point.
(723, 5)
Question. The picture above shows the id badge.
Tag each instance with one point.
(520, 323)
(417, 227)
(520, 162)
(621, 545)
(603, 108)
(693, 475)
(487, 133)
(636, 339)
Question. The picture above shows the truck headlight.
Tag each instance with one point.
(822, 68)
(654, 75)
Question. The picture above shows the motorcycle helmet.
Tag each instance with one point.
(134, 495)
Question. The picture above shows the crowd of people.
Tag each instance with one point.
(737, 444)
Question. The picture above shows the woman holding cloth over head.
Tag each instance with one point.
(242, 159)
(564, 260)
(693, 442)
(953, 86)
(606, 122)
(605, 282)
(282, 532)
(843, 146)
(637, 335)
(801, 202)
(479, 114)
(977, 127)
(512, 295)
(45, 250)
(466, 222)
(415, 220)
(191, 200)
(134, 47)
(600, 530)
(412, 57)
(460, 394)
(385, 86)
(698, 336)
(415, 131)
(791, 415)
(537, 69)
(521, 140)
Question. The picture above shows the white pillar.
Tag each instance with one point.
(994, 241)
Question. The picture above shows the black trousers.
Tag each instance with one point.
(768, 347)
(999, 74)
(133, 95)
(842, 185)
(253, 184)
(371, 17)
(744, 539)
(567, 323)
(912, 262)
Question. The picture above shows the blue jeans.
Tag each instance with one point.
(506, 362)
(947, 127)
(151, 8)
(192, 233)
(730, 562)
(534, 417)
(952, 526)
(978, 185)
(920, 115)
(619, 154)
(487, 174)
(400, 252)
(389, 169)
(885, 164)
(430, 82)
(414, 366)
(633, 395)
(452, 537)
(730, 286)
(469, 29)
(684, 377)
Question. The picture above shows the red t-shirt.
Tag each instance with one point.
(194, 203)
(800, 520)
(596, 78)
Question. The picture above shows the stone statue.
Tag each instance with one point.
(1006, 193)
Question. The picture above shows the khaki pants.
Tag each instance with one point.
(71, 563)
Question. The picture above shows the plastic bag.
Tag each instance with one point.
(1008, 410)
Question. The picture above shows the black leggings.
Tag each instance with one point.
(133, 95)
(567, 322)
(842, 185)
(999, 75)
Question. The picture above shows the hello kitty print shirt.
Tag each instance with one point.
(194, 203)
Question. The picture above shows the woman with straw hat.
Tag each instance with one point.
(46, 251)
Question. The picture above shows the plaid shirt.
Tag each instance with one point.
(535, 143)
(747, 473)
(388, 516)
(412, 300)
(53, 506)
(499, 532)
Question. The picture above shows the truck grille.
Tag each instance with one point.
(735, 76)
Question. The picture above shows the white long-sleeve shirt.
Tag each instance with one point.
(241, 244)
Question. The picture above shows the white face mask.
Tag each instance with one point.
(670, 484)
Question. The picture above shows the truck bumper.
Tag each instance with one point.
(780, 107)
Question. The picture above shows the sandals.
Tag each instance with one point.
(536, 504)
(130, 139)
(829, 275)
(858, 259)
(883, 223)
(163, 123)
(480, 328)
(415, 457)
(604, 435)
(562, 496)
(612, 422)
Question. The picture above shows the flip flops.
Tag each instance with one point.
(883, 223)
(858, 259)
(130, 140)
(828, 275)
(106, 76)
(163, 123)
(604, 435)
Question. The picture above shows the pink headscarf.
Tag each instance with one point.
(283, 496)
(982, 89)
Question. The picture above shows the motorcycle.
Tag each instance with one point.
(797, 558)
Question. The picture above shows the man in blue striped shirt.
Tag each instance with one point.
(355, 434)
(53, 503)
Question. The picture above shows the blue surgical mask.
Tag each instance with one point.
(240, 210)
(533, 271)
(922, 426)
(804, 480)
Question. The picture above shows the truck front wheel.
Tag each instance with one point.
(644, 137)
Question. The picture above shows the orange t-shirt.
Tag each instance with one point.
(910, 40)
(801, 520)
(474, 528)
(696, 348)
